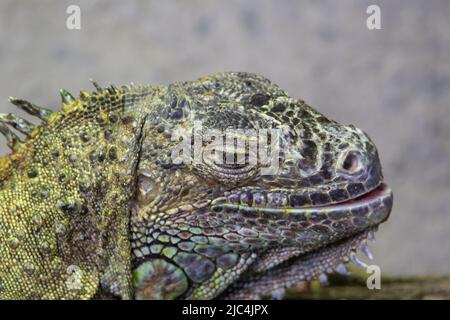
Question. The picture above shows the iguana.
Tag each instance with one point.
(93, 206)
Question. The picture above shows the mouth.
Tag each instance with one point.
(376, 205)
(367, 209)
(380, 192)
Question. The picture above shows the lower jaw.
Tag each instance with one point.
(307, 267)
(330, 258)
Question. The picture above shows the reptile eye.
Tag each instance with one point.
(352, 162)
(228, 164)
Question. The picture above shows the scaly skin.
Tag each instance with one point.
(94, 189)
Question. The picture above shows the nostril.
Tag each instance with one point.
(351, 162)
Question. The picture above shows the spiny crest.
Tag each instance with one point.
(12, 120)
(32, 109)
(66, 96)
(112, 89)
(69, 103)
(12, 140)
(20, 124)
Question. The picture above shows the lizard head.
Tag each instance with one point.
(235, 190)
(262, 171)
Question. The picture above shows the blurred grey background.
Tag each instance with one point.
(393, 83)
